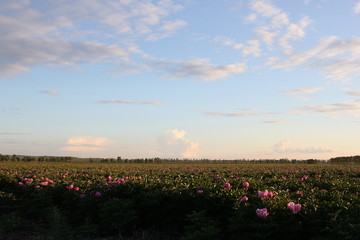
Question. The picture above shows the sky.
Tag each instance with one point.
(194, 79)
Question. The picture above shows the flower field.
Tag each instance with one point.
(179, 201)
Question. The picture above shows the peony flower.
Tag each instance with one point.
(108, 178)
(263, 194)
(246, 184)
(295, 208)
(70, 186)
(227, 185)
(244, 199)
(262, 213)
(199, 191)
(97, 194)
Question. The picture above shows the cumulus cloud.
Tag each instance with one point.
(129, 102)
(49, 92)
(302, 91)
(284, 146)
(336, 59)
(56, 33)
(86, 144)
(201, 68)
(173, 144)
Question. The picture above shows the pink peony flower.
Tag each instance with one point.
(44, 183)
(108, 178)
(199, 191)
(244, 199)
(37, 187)
(271, 194)
(70, 186)
(295, 208)
(227, 185)
(76, 188)
(262, 213)
(262, 194)
(246, 184)
(97, 194)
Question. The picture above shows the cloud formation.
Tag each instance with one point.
(357, 8)
(336, 59)
(200, 68)
(350, 108)
(284, 146)
(129, 102)
(302, 91)
(173, 144)
(85, 144)
(241, 113)
(353, 92)
(49, 92)
(56, 33)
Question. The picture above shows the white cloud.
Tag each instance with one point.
(173, 144)
(129, 102)
(279, 26)
(284, 146)
(357, 8)
(351, 108)
(196, 68)
(55, 33)
(265, 35)
(86, 144)
(353, 92)
(252, 48)
(263, 8)
(336, 59)
(294, 32)
(241, 113)
(50, 92)
(302, 91)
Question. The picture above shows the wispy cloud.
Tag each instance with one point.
(49, 92)
(244, 113)
(173, 144)
(201, 68)
(353, 92)
(56, 34)
(302, 91)
(357, 8)
(129, 102)
(275, 121)
(336, 59)
(12, 133)
(86, 144)
(279, 25)
(284, 146)
(351, 108)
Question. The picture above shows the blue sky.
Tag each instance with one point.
(226, 79)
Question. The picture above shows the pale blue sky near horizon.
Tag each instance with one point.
(253, 79)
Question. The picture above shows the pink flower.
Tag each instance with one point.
(295, 208)
(37, 187)
(76, 188)
(271, 194)
(246, 184)
(44, 183)
(244, 199)
(97, 194)
(108, 178)
(262, 213)
(227, 185)
(199, 191)
(318, 176)
(263, 194)
(20, 183)
(70, 186)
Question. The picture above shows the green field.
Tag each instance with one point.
(179, 201)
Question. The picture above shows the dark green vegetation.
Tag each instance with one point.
(178, 201)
